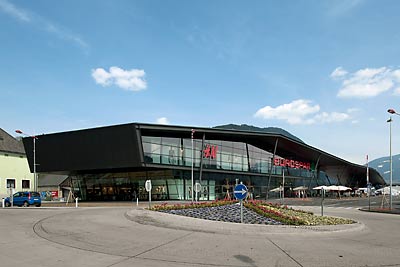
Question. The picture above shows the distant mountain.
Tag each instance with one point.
(250, 128)
(382, 165)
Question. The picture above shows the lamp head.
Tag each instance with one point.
(18, 131)
(391, 111)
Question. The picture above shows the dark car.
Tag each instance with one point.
(24, 199)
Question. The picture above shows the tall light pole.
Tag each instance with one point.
(391, 111)
(193, 131)
(368, 187)
(34, 137)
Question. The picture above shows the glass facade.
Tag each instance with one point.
(224, 164)
(228, 156)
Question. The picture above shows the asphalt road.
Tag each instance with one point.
(132, 236)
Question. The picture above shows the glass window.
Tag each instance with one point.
(197, 151)
(35, 194)
(26, 184)
(170, 150)
(10, 183)
(152, 149)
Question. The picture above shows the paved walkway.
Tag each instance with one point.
(132, 236)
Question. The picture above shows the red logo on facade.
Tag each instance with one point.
(210, 152)
(292, 163)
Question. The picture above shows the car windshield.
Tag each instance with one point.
(35, 194)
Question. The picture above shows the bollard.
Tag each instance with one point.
(76, 202)
(137, 201)
(3, 204)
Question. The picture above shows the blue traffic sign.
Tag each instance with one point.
(240, 191)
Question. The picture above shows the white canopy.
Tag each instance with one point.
(321, 187)
(276, 189)
(338, 188)
(386, 191)
(300, 188)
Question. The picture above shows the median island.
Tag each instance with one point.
(254, 212)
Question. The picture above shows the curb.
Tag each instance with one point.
(176, 222)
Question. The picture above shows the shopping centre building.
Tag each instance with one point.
(113, 163)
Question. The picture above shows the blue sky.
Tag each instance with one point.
(326, 71)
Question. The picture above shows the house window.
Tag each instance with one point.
(10, 183)
(26, 184)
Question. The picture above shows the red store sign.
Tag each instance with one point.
(210, 152)
(292, 163)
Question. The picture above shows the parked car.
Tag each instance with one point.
(24, 199)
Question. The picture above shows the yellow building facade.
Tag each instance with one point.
(15, 174)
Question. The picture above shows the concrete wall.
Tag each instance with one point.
(14, 166)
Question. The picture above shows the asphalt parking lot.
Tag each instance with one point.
(127, 235)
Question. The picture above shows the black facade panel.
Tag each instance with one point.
(113, 147)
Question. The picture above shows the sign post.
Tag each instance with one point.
(197, 189)
(147, 185)
(240, 193)
(369, 187)
(322, 202)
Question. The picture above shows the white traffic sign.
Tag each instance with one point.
(147, 185)
(197, 187)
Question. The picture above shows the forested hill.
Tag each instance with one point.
(250, 128)
(382, 165)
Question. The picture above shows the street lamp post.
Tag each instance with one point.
(391, 161)
(34, 137)
(192, 133)
(391, 111)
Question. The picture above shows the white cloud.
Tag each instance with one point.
(338, 72)
(352, 110)
(339, 8)
(162, 120)
(13, 11)
(397, 91)
(41, 23)
(367, 82)
(300, 111)
(325, 117)
(64, 34)
(131, 80)
(294, 112)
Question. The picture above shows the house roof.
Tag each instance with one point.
(10, 144)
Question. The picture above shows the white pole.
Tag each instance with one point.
(391, 161)
(76, 202)
(192, 165)
(283, 181)
(34, 164)
(368, 187)
(241, 211)
(137, 201)
(150, 199)
(322, 201)
(3, 203)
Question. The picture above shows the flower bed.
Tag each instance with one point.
(217, 203)
(274, 212)
(291, 216)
